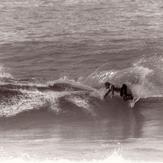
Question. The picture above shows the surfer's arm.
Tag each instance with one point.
(107, 93)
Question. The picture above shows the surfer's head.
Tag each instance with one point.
(107, 85)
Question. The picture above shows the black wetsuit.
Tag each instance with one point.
(124, 94)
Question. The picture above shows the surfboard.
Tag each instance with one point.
(133, 102)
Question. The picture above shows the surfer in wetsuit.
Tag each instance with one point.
(123, 91)
(124, 94)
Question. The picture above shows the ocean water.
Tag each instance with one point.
(55, 57)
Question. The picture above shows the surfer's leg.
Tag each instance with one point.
(123, 90)
(112, 90)
(124, 94)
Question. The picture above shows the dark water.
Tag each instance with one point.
(55, 56)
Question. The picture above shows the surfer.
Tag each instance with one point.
(122, 90)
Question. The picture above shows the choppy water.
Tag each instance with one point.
(55, 56)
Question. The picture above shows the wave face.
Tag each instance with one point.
(83, 97)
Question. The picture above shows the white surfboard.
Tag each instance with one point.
(133, 102)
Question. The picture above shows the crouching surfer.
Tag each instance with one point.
(123, 91)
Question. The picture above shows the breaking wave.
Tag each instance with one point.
(81, 97)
